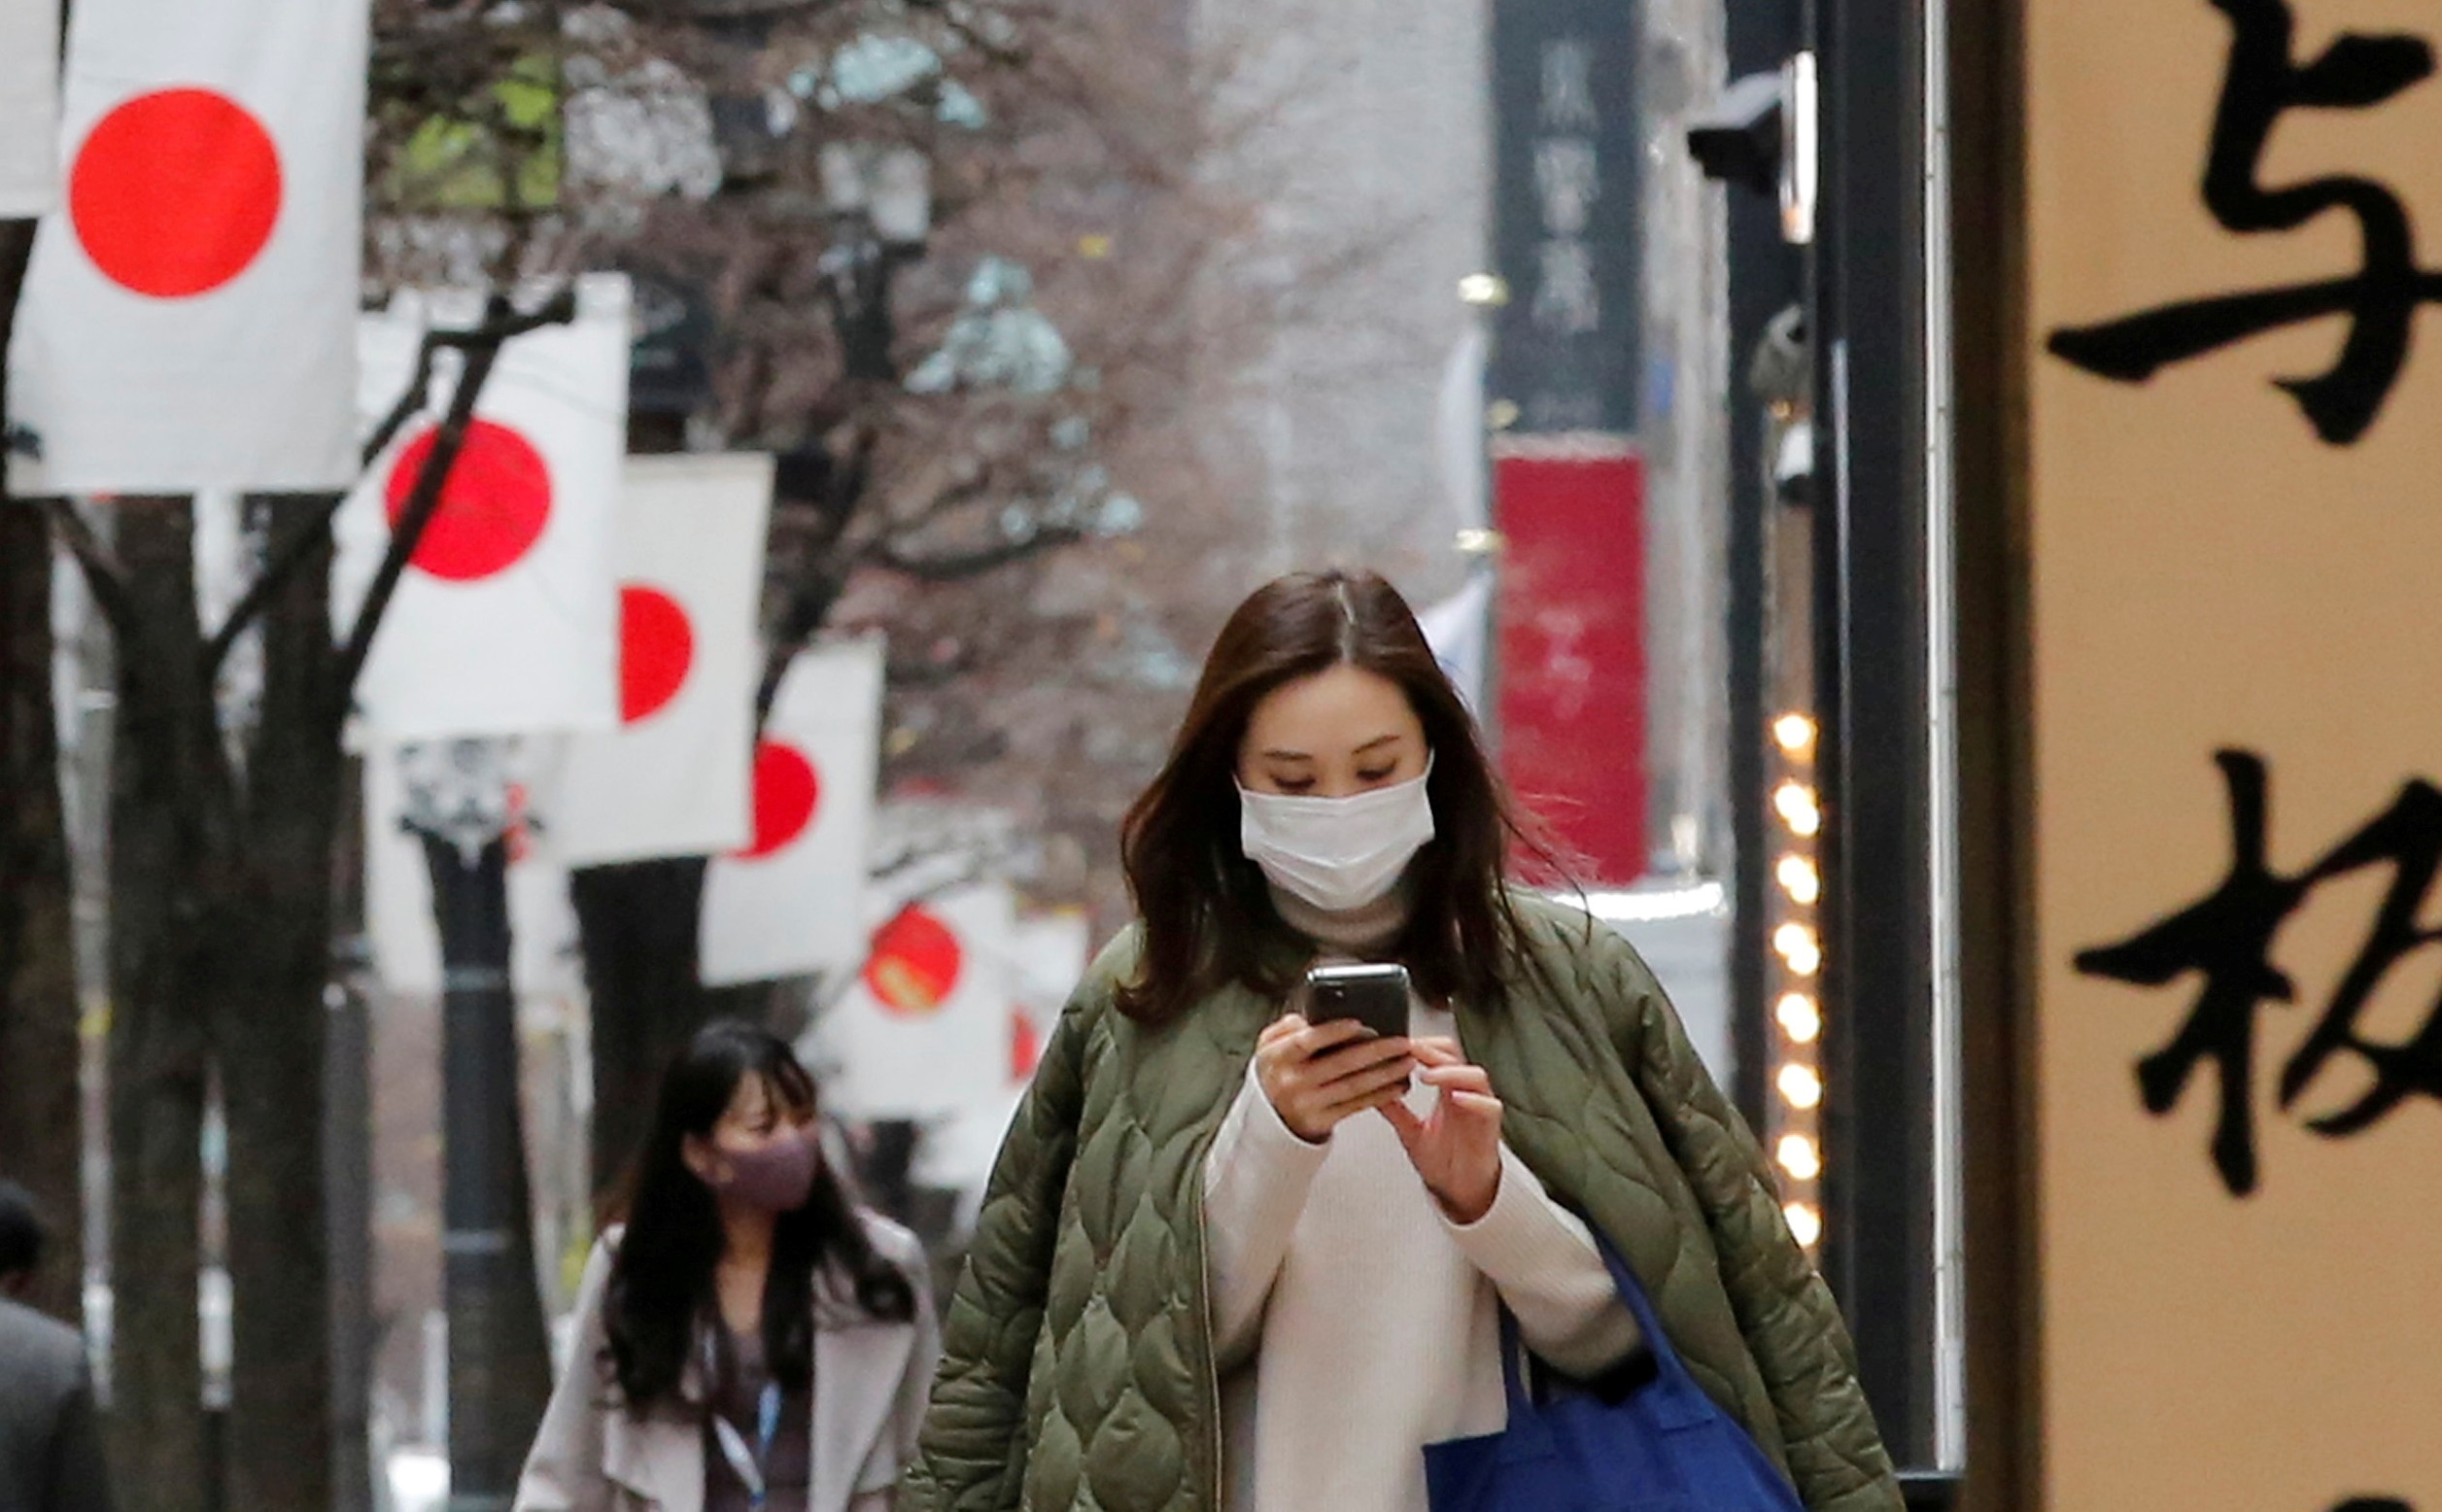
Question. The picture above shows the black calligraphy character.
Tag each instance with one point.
(2408, 836)
(2259, 85)
(2228, 938)
(2374, 1505)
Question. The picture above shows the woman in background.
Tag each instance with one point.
(751, 1340)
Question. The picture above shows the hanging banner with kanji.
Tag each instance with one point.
(791, 901)
(673, 779)
(1568, 137)
(2236, 1078)
(189, 318)
(923, 1030)
(508, 619)
(29, 108)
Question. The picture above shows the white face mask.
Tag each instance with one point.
(1337, 853)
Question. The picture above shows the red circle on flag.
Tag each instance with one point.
(1025, 1045)
(657, 648)
(787, 792)
(175, 193)
(492, 509)
(915, 966)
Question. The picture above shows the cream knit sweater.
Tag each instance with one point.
(1354, 1322)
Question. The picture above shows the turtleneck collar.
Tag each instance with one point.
(1367, 933)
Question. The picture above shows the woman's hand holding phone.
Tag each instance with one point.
(1456, 1148)
(1319, 1076)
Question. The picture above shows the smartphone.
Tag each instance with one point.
(1375, 996)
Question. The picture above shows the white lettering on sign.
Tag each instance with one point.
(1569, 86)
(1566, 300)
(1566, 180)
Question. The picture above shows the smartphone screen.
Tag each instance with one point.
(1375, 996)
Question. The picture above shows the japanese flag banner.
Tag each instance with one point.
(544, 958)
(790, 902)
(674, 779)
(29, 108)
(1049, 954)
(508, 619)
(189, 318)
(922, 1032)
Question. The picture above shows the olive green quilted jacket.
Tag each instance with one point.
(1078, 1373)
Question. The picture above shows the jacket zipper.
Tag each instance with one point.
(1212, 1346)
(1204, 1296)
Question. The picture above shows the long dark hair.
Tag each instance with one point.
(1206, 909)
(662, 1287)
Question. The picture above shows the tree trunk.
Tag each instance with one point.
(637, 923)
(40, 1123)
(271, 1040)
(169, 843)
(500, 1358)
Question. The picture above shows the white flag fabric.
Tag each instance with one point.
(1049, 953)
(190, 319)
(674, 779)
(792, 901)
(923, 1031)
(506, 621)
(1456, 628)
(544, 956)
(29, 108)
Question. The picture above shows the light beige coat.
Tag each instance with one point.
(871, 1382)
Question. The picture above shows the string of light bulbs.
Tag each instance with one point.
(1794, 1120)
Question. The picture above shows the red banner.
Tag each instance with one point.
(1572, 645)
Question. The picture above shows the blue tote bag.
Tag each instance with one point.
(1666, 1447)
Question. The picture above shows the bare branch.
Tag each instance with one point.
(104, 572)
(959, 566)
(303, 549)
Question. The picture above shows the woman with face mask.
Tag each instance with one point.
(1238, 1259)
(749, 1340)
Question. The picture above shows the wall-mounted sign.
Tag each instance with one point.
(2236, 736)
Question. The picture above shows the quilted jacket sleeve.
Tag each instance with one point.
(1791, 1323)
(971, 1454)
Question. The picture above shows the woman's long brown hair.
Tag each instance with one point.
(1207, 910)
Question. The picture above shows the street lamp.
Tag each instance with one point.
(879, 196)
(462, 800)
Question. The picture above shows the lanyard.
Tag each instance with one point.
(751, 1463)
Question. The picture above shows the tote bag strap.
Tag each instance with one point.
(1513, 1351)
(1513, 1368)
(1666, 1354)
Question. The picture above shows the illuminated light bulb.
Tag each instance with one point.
(1484, 290)
(1799, 880)
(1799, 1158)
(1795, 802)
(1794, 733)
(1800, 1087)
(1799, 948)
(1800, 1019)
(1805, 1226)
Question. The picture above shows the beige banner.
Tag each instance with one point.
(2241, 1302)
